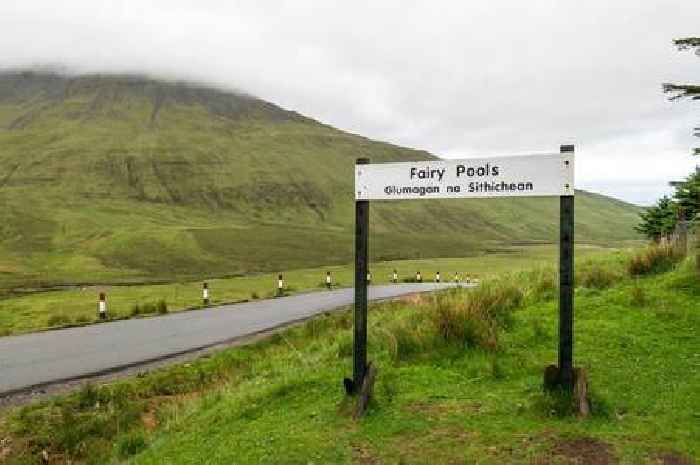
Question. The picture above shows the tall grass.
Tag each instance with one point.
(453, 318)
(655, 259)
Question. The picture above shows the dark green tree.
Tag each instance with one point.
(691, 91)
(659, 220)
(687, 197)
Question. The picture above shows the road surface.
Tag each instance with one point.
(49, 357)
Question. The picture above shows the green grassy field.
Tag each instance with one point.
(124, 179)
(471, 399)
(42, 310)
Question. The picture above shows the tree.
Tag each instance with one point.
(687, 197)
(691, 91)
(659, 220)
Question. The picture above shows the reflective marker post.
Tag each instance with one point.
(280, 285)
(102, 306)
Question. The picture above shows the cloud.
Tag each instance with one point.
(459, 79)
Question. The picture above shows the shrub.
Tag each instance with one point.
(654, 259)
(59, 319)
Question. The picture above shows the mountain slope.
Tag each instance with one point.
(107, 178)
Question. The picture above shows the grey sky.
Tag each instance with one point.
(459, 79)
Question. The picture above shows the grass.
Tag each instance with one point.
(655, 259)
(446, 399)
(42, 310)
(116, 180)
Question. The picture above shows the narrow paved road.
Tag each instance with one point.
(54, 356)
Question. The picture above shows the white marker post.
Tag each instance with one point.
(102, 306)
(395, 277)
(329, 280)
(419, 278)
(205, 293)
(280, 285)
(369, 277)
(437, 277)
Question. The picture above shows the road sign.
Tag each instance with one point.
(527, 175)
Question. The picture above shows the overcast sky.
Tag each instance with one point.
(458, 78)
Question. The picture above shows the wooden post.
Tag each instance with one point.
(566, 286)
(359, 353)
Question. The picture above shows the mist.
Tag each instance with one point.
(458, 79)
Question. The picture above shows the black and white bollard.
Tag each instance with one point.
(280, 285)
(369, 277)
(395, 277)
(419, 278)
(437, 277)
(456, 277)
(205, 293)
(329, 280)
(102, 306)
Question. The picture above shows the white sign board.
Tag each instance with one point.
(527, 175)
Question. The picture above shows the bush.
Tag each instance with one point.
(654, 259)
(58, 319)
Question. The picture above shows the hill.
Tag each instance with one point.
(127, 178)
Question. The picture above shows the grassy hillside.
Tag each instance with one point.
(116, 178)
(472, 395)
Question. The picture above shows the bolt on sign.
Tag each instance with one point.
(546, 175)
(527, 175)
